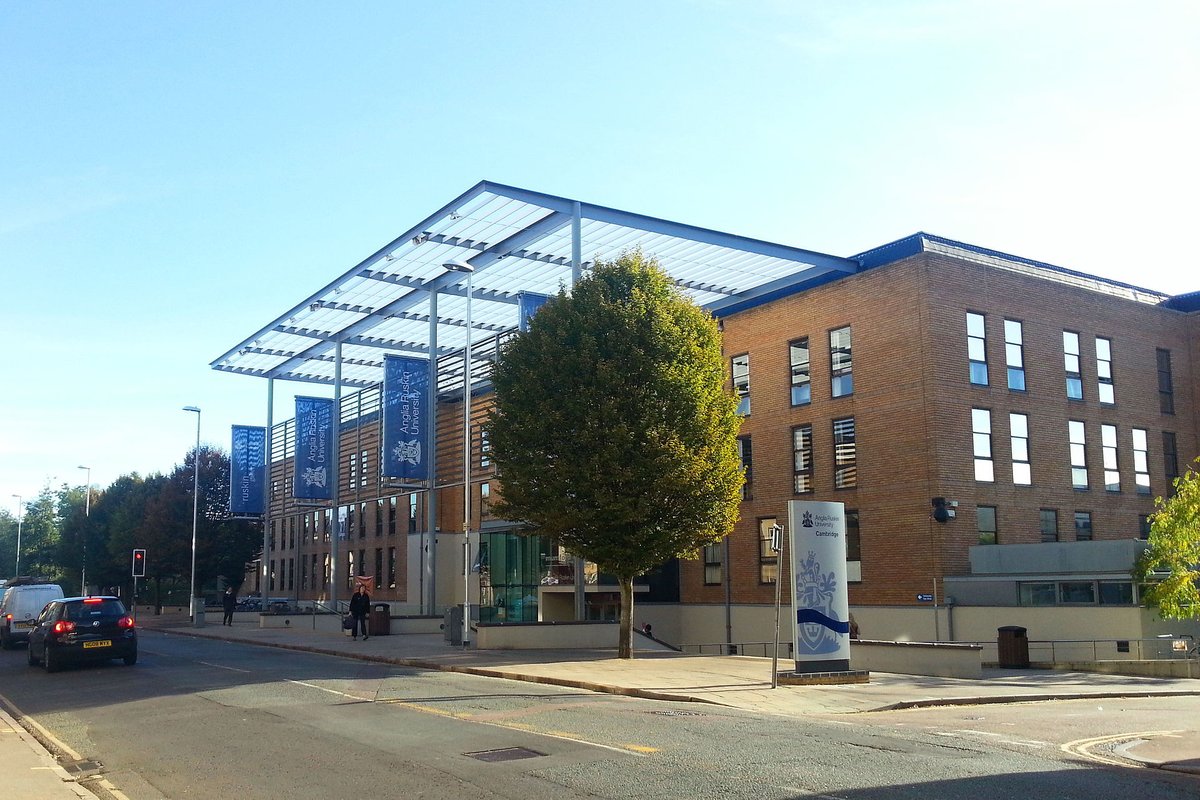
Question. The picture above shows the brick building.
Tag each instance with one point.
(1042, 408)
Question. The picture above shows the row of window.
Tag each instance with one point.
(988, 528)
(1075, 593)
(1022, 471)
(285, 578)
(319, 525)
(768, 559)
(1014, 363)
(845, 458)
(841, 375)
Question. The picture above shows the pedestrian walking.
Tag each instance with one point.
(228, 603)
(360, 605)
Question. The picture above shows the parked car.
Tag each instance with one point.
(24, 599)
(75, 629)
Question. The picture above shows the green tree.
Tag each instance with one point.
(612, 428)
(1170, 566)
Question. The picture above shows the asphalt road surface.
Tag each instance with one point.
(204, 718)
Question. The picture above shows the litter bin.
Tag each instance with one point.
(1012, 647)
(380, 623)
(452, 625)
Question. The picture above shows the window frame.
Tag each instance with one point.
(1078, 454)
(1166, 383)
(987, 525)
(800, 389)
(981, 440)
(1106, 389)
(1074, 376)
(800, 473)
(1051, 515)
(1014, 354)
(739, 375)
(713, 557)
(845, 454)
(841, 363)
(1141, 460)
(1084, 517)
(766, 561)
(977, 346)
(1018, 446)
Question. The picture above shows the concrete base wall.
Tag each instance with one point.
(547, 635)
(918, 658)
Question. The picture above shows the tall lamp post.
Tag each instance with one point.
(462, 266)
(87, 513)
(20, 518)
(196, 620)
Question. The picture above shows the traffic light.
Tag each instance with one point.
(139, 563)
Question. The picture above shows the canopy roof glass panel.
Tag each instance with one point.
(517, 241)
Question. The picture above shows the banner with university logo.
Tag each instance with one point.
(405, 417)
(528, 304)
(314, 476)
(820, 600)
(247, 457)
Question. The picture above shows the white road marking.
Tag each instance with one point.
(222, 666)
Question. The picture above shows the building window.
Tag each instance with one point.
(1108, 449)
(853, 548)
(485, 500)
(1143, 526)
(801, 375)
(378, 567)
(363, 468)
(714, 564)
(845, 454)
(379, 514)
(362, 520)
(746, 454)
(1166, 391)
(314, 573)
(1049, 525)
(1077, 593)
(1018, 425)
(1170, 460)
(352, 473)
(326, 572)
(1079, 476)
(981, 430)
(391, 515)
(1104, 376)
(1071, 363)
(740, 367)
(985, 524)
(412, 513)
(841, 377)
(1141, 461)
(1014, 355)
(977, 348)
(1037, 594)
(485, 448)
(768, 559)
(391, 568)
(1115, 593)
(1083, 526)
(802, 459)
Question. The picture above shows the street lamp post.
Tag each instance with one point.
(196, 620)
(462, 266)
(87, 513)
(20, 519)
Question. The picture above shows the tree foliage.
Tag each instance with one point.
(612, 428)
(1170, 566)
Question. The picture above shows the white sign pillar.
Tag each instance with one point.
(820, 602)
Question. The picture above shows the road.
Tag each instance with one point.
(209, 718)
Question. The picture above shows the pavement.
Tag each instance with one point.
(742, 682)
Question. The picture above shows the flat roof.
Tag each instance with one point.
(517, 241)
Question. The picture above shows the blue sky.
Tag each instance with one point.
(176, 175)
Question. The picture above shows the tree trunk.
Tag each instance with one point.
(625, 642)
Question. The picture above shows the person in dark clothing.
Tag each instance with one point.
(360, 605)
(228, 603)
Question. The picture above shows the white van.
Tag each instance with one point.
(19, 609)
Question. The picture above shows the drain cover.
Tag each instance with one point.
(504, 754)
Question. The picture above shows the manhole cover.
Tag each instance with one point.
(504, 754)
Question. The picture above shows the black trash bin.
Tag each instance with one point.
(380, 622)
(1012, 647)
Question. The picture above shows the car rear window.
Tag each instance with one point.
(94, 610)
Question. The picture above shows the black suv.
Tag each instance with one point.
(82, 629)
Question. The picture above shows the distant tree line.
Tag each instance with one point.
(59, 537)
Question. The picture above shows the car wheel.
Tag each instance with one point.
(49, 662)
(5, 642)
(130, 659)
(33, 662)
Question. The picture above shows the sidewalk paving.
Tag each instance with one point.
(742, 682)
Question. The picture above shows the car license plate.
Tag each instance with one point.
(99, 643)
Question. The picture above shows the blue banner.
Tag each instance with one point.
(246, 469)
(405, 417)
(315, 472)
(528, 304)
